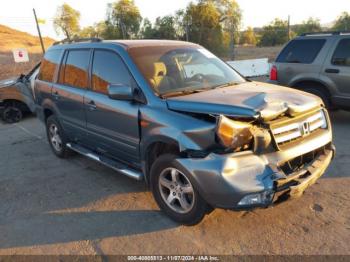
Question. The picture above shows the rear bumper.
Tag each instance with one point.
(225, 180)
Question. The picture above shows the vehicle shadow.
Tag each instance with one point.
(341, 127)
(57, 228)
(47, 200)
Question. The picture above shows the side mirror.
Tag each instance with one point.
(120, 92)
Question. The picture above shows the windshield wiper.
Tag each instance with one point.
(182, 92)
(224, 85)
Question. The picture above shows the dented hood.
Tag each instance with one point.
(247, 100)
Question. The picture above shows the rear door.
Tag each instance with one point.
(301, 58)
(112, 125)
(69, 92)
(47, 75)
(337, 66)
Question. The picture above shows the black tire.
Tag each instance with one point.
(199, 208)
(61, 151)
(12, 113)
(321, 94)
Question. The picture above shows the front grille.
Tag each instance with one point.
(299, 128)
(300, 162)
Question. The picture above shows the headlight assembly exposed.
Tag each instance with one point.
(234, 134)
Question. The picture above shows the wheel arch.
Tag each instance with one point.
(22, 105)
(154, 149)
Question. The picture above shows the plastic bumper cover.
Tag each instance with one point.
(224, 181)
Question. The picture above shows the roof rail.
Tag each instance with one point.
(78, 40)
(326, 33)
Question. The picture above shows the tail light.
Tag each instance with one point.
(273, 73)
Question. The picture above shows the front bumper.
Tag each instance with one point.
(224, 180)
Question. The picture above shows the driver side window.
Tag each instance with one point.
(108, 68)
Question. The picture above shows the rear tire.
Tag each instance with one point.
(174, 192)
(12, 113)
(56, 137)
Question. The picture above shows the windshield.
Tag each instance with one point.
(177, 70)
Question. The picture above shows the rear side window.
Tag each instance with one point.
(108, 68)
(341, 56)
(49, 64)
(75, 70)
(301, 51)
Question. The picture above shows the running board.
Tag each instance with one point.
(122, 168)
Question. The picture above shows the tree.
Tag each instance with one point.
(248, 37)
(66, 21)
(309, 26)
(204, 27)
(147, 31)
(124, 18)
(230, 17)
(164, 28)
(275, 33)
(97, 30)
(342, 23)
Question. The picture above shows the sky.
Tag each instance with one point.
(18, 14)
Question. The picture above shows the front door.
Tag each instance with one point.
(112, 125)
(337, 67)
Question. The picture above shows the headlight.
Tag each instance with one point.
(234, 134)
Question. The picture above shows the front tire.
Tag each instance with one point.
(174, 192)
(56, 137)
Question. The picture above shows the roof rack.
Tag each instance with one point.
(326, 33)
(78, 40)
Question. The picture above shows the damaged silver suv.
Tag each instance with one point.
(174, 115)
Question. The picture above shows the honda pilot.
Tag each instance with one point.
(174, 115)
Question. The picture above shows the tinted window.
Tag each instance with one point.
(108, 68)
(301, 51)
(76, 69)
(48, 65)
(341, 55)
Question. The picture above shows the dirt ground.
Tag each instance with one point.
(76, 206)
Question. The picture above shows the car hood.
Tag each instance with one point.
(8, 82)
(247, 100)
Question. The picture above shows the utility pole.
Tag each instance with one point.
(288, 28)
(37, 26)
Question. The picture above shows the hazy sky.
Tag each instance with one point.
(256, 13)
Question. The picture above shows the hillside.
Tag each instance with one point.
(11, 38)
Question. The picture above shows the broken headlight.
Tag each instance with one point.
(234, 134)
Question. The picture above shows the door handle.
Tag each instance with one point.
(332, 71)
(56, 95)
(92, 106)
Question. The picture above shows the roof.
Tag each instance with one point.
(149, 42)
(128, 44)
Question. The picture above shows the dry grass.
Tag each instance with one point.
(8, 68)
(11, 38)
(252, 52)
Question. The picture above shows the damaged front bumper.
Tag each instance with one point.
(245, 180)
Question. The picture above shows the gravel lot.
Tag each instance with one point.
(76, 206)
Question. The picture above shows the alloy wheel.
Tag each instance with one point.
(55, 137)
(176, 190)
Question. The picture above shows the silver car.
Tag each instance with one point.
(318, 63)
